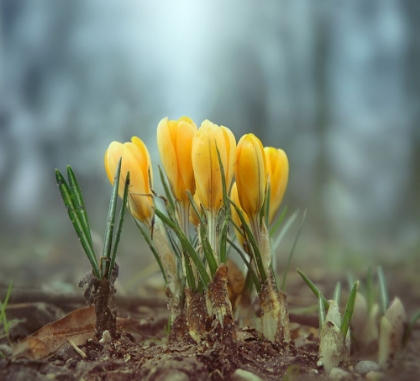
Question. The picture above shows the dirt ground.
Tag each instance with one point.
(142, 350)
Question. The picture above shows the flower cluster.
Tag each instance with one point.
(190, 159)
(213, 183)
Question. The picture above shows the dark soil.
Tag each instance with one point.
(141, 350)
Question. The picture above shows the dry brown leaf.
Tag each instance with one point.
(78, 325)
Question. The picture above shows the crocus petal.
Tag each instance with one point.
(278, 175)
(206, 164)
(174, 143)
(250, 174)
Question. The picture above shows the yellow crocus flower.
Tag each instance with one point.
(174, 138)
(251, 175)
(234, 197)
(136, 160)
(278, 175)
(205, 163)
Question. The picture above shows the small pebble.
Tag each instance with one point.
(365, 366)
(339, 374)
(244, 375)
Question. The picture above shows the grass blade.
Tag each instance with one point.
(251, 271)
(321, 311)
(370, 293)
(152, 248)
(168, 192)
(78, 201)
(284, 230)
(111, 219)
(314, 289)
(188, 248)
(251, 239)
(120, 224)
(208, 250)
(383, 290)
(195, 208)
(283, 286)
(223, 238)
(3, 305)
(266, 206)
(224, 185)
(337, 293)
(74, 218)
(277, 224)
(348, 312)
(410, 327)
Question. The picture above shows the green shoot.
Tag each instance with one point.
(337, 293)
(283, 286)
(3, 306)
(369, 290)
(186, 244)
(284, 230)
(383, 291)
(73, 200)
(277, 224)
(109, 230)
(77, 222)
(78, 200)
(152, 248)
(348, 312)
(120, 224)
(314, 289)
(252, 241)
(251, 271)
(410, 327)
(321, 311)
(168, 192)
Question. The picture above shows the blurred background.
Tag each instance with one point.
(337, 86)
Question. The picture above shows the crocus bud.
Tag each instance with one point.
(234, 197)
(278, 175)
(251, 175)
(174, 138)
(136, 160)
(205, 162)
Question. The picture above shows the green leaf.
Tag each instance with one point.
(252, 241)
(195, 208)
(285, 229)
(223, 238)
(337, 293)
(348, 312)
(120, 224)
(409, 329)
(152, 248)
(79, 203)
(75, 220)
(383, 291)
(283, 286)
(189, 273)
(224, 185)
(106, 253)
(168, 192)
(266, 206)
(3, 306)
(321, 311)
(208, 250)
(188, 249)
(251, 271)
(314, 289)
(370, 292)
(277, 224)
